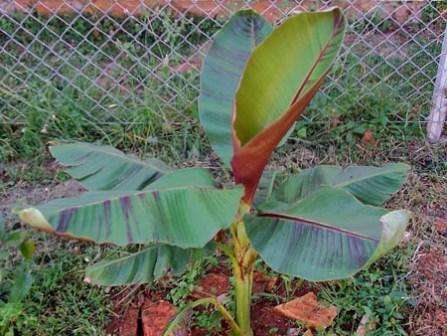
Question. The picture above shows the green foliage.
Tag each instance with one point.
(145, 266)
(184, 286)
(58, 302)
(19, 286)
(152, 129)
(380, 292)
(211, 321)
(324, 217)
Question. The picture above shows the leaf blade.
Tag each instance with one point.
(276, 89)
(285, 67)
(197, 177)
(142, 267)
(99, 167)
(183, 216)
(371, 185)
(329, 235)
(221, 74)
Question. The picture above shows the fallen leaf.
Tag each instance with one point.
(308, 333)
(308, 311)
(441, 225)
(368, 138)
(365, 326)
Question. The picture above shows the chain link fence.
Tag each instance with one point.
(104, 61)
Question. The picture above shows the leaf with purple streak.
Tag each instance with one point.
(182, 216)
(325, 236)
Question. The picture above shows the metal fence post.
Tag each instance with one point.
(439, 108)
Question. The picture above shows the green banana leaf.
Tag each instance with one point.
(196, 177)
(99, 167)
(371, 185)
(182, 216)
(326, 236)
(281, 77)
(145, 266)
(221, 73)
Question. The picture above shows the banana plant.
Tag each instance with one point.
(319, 224)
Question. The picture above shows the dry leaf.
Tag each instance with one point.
(308, 311)
(308, 333)
(368, 138)
(441, 225)
(365, 326)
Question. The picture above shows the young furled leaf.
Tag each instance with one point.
(282, 76)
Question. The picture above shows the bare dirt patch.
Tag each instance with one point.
(155, 316)
(212, 284)
(429, 280)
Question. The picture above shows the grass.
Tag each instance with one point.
(59, 302)
(381, 293)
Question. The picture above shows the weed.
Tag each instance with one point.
(381, 293)
(59, 303)
(184, 286)
(210, 321)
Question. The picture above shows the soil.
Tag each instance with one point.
(155, 316)
(212, 284)
(127, 325)
(152, 311)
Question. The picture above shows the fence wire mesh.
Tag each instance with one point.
(109, 59)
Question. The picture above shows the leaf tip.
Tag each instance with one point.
(34, 218)
(394, 224)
